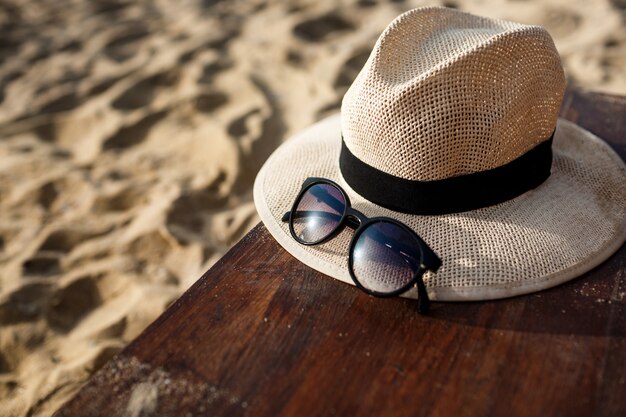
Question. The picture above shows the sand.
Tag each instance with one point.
(130, 137)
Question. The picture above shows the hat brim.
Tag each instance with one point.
(569, 224)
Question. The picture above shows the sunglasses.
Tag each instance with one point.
(386, 258)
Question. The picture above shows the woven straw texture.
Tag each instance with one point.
(566, 226)
(445, 93)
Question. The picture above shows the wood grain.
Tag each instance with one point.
(260, 334)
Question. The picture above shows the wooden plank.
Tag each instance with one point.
(260, 334)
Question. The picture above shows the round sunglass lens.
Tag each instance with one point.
(318, 213)
(385, 257)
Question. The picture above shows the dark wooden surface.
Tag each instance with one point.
(260, 334)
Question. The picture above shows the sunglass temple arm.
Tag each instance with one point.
(431, 262)
(423, 301)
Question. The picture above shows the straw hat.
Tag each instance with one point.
(452, 128)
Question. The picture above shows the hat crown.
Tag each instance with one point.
(445, 93)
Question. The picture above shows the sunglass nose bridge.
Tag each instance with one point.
(354, 218)
(353, 222)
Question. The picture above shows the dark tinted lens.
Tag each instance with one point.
(385, 257)
(318, 213)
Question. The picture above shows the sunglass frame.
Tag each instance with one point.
(359, 222)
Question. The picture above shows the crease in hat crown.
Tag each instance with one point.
(445, 93)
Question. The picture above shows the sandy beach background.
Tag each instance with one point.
(130, 135)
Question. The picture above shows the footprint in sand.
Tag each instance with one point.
(328, 110)
(186, 216)
(219, 43)
(257, 132)
(135, 133)
(349, 70)
(69, 304)
(121, 200)
(294, 57)
(450, 4)
(100, 86)
(345, 76)
(211, 69)
(61, 194)
(239, 127)
(47, 259)
(65, 102)
(6, 81)
(126, 42)
(366, 3)
(105, 7)
(149, 246)
(142, 93)
(47, 194)
(208, 102)
(42, 264)
(5, 366)
(65, 239)
(68, 77)
(24, 304)
(319, 28)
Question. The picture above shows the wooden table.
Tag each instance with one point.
(260, 334)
